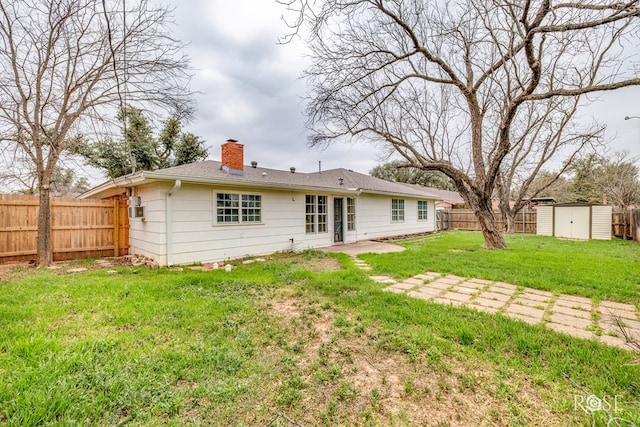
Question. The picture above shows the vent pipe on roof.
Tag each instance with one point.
(254, 164)
(319, 166)
(292, 169)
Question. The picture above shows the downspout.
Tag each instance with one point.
(169, 221)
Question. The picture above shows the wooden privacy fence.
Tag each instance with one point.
(622, 224)
(79, 228)
(526, 222)
(465, 219)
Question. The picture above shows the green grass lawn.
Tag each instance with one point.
(272, 342)
(594, 268)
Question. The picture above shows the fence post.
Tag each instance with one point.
(116, 227)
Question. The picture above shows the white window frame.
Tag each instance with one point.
(247, 205)
(423, 213)
(316, 214)
(397, 210)
(351, 216)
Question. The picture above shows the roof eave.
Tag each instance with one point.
(120, 182)
(390, 193)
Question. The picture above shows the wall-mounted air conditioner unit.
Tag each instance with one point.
(136, 211)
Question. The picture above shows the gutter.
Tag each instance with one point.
(169, 221)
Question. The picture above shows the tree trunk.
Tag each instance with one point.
(492, 237)
(43, 239)
(509, 222)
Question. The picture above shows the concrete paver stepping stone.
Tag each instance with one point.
(505, 286)
(615, 341)
(495, 296)
(567, 329)
(488, 303)
(472, 284)
(618, 305)
(439, 285)
(624, 314)
(449, 280)
(419, 295)
(525, 311)
(545, 294)
(413, 281)
(447, 301)
(570, 303)
(501, 290)
(571, 312)
(455, 296)
(430, 291)
(564, 319)
(535, 297)
(464, 290)
(529, 303)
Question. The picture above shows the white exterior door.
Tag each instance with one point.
(572, 222)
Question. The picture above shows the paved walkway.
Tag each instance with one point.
(569, 314)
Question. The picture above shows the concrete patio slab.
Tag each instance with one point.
(364, 247)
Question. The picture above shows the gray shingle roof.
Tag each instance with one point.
(211, 171)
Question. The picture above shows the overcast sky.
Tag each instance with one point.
(251, 89)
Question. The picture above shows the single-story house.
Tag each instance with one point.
(214, 211)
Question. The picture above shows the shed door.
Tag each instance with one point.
(572, 222)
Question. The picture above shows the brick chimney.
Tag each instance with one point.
(232, 157)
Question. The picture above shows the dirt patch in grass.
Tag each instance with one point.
(348, 377)
(316, 262)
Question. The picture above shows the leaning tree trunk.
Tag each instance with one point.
(489, 226)
(43, 239)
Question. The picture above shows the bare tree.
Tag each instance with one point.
(67, 65)
(445, 84)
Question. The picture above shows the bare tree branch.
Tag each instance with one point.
(481, 91)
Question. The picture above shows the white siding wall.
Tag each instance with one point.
(544, 220)
(601, 222)
(197, 237)
(147, 236)
(373, 217)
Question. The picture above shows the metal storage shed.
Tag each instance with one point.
(575, 221)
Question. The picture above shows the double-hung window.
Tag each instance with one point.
(234, 208)
(397, 210)
(423, 210)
